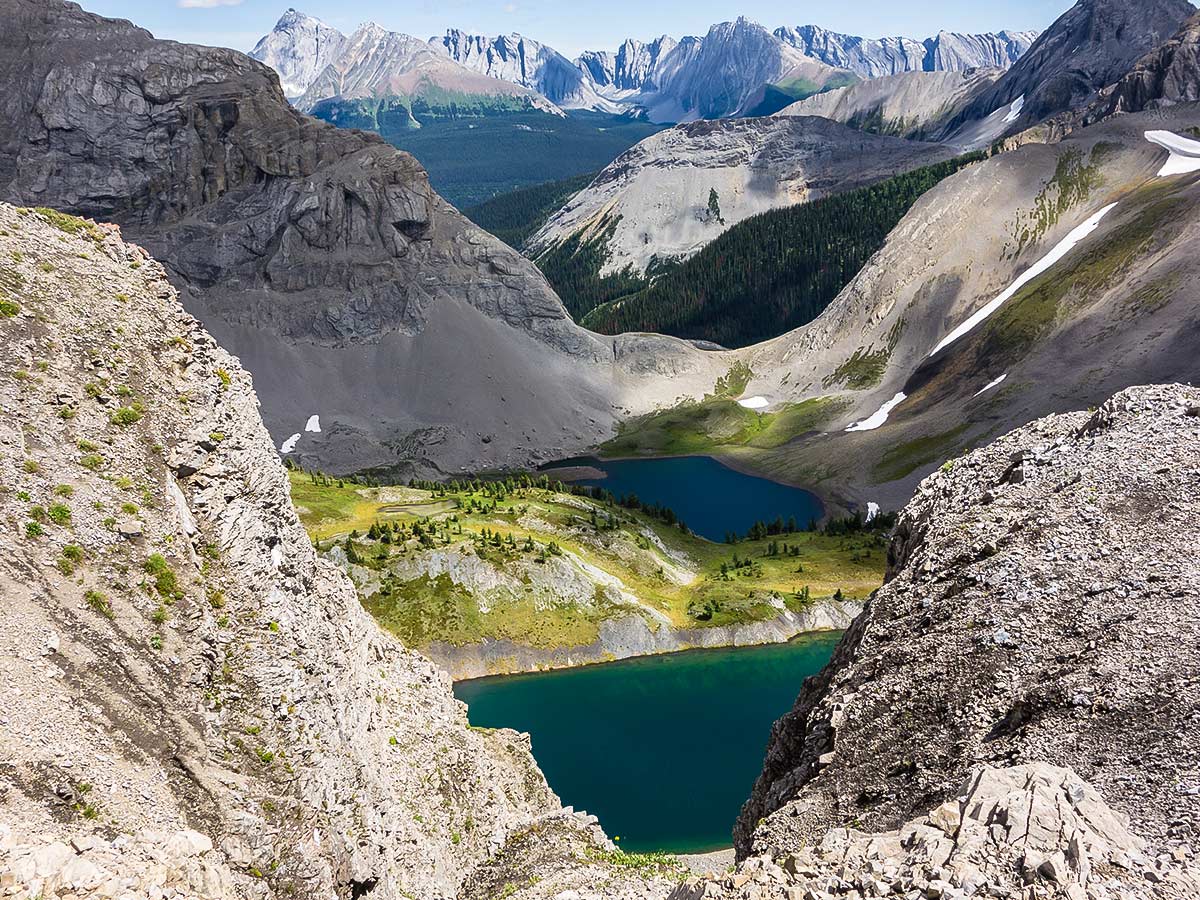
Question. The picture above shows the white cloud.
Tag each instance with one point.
(206, 4)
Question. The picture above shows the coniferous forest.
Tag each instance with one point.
(767, 274)
(515, 217)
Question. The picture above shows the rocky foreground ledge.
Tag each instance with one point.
(192, 704)
(1015, 713)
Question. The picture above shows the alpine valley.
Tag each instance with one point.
(352, 383)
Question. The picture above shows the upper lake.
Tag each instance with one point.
(711, 498)
(663, 749)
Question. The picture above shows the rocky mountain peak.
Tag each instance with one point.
(299, 47)
(874, 58)
(1089, 47)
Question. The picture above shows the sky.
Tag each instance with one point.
(577, 25)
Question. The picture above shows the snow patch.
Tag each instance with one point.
(290, 444)
(754, 402)
(991, 384)
(1065, 246)
(872, 510)
(313, 424)
(1014, 109)
(1185, 153)
(880, 415)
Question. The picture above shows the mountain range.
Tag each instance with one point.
(728, 71)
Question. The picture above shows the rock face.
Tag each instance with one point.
(946, 52)
(522, 61)
(1043, 606)
(1089, 47)
(633, 67)
(374, 63)
(1032, 828)
(1167, 75)
(724, 73)
(914, 104)
(321, 256)
(299, 48)
(200, 703)
(655, 195)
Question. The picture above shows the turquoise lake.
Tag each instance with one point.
(663, 749)
(711, 498)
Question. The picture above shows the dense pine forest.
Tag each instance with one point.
(515, 216)
(573, 268)
(767, 274)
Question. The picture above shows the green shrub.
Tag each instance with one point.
(73, 552)
(64, 490)
(127, 415)
(91, 461)
(165, 581)
(31, 466)
(225, 379)
(99, 603)
(60, 514)
(34, 529)
(86, 446)
(9, 308)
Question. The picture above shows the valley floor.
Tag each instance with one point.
(520, 575)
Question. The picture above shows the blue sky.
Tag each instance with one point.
(577, 25)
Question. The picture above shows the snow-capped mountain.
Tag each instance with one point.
(521, 60)
(945, 52)
(299, 47)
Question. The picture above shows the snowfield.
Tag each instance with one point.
(1065, 246)
(991, 384)
(1014, 110)
(290, 444)
(754, 402)
(880, 415)
(313, 424)
(1185, 153)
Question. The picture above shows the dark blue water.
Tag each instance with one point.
(663, 749)
(711, 498)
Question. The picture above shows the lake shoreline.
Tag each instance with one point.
(631, 638)
(832, 503)
(607, 737)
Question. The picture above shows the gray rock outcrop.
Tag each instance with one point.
(320, 256)
(945, 52)
(204, 708)
(1042, 606)
(1088, 48)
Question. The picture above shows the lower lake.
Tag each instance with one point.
(663, 749)
(710, 497)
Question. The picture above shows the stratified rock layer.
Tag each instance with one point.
(193, 701)
(1043, 606)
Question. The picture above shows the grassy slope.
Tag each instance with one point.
(717, 424)
(424, 610)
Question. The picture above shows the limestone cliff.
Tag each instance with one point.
(1043, 607)
(193, 700)
(321, 256)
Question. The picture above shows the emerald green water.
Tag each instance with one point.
(663, 749)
